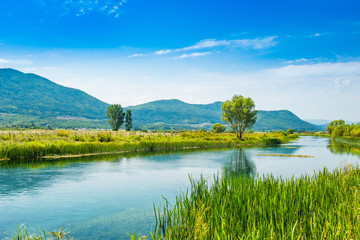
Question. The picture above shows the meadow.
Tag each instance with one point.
(32, 144)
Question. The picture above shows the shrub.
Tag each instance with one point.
(218, 128)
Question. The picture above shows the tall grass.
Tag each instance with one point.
(37, 144)
(326, 206)
(55, 235)
(351, 141)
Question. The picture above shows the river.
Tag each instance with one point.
(106, 197)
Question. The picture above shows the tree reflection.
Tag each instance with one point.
(343, 149)
(240, 165)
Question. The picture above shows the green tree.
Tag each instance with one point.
(218, 128)
(290, 131)
(128, 120)
(116, 114)
(239, 113)
(333, 125)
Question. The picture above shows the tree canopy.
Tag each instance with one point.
(116, 115)
(239, 113)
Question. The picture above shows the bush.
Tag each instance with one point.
(290, 131)
(218, 128)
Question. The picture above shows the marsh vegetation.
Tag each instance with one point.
(60, 143)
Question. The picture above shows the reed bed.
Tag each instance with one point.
(325, 206)
(351, 141)
(49, 143)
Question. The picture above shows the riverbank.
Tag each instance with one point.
(350, 141)
(325, 206)
(36, 144)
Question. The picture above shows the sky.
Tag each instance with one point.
(303, 56)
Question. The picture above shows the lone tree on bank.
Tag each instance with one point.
(116, 114)
(128, 120)
(239, 113)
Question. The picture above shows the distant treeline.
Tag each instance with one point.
(338, 128)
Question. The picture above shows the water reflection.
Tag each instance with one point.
(342, 149)
(240, 164)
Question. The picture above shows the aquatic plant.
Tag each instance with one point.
(326, 206)
(55, 235)
(49, 143)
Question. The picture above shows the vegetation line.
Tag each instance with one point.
(55, 144)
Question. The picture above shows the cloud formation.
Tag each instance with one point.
(191, 55)
(257, 43)
(19, 61)
(78, 8)
(137, 55)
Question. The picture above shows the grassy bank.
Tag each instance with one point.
(326, 206)
(349, 145)
(62, 143)
(350, 141)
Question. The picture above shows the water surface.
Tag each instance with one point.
(109, 196)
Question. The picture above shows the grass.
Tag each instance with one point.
(55, 235)
(352, 141)
(35, 144)
(326, 206)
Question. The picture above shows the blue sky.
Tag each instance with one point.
(303, 56)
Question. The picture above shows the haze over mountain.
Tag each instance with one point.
(31, 99)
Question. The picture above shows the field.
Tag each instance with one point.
(32, 144)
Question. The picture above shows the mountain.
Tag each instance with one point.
(30, 94)
(31, 99)
(175, 114)
(281, 120)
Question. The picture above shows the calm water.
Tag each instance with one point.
(107, 197)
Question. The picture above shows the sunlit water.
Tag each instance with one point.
(107, 197)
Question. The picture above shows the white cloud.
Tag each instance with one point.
(136, 55)
(20, 61)
(257, 43)
(191, 55)
(160, 52)
(341, 83)
(316, 34)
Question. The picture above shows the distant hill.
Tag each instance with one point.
(31, 99)
(281, 120)
(30, 94)
(175, 114)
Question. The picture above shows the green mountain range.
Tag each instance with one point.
(31, 99)
(175, 114)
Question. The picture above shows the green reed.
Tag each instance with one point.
(23, 234)
(325, 206)
(41, 143)
(352, 141)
